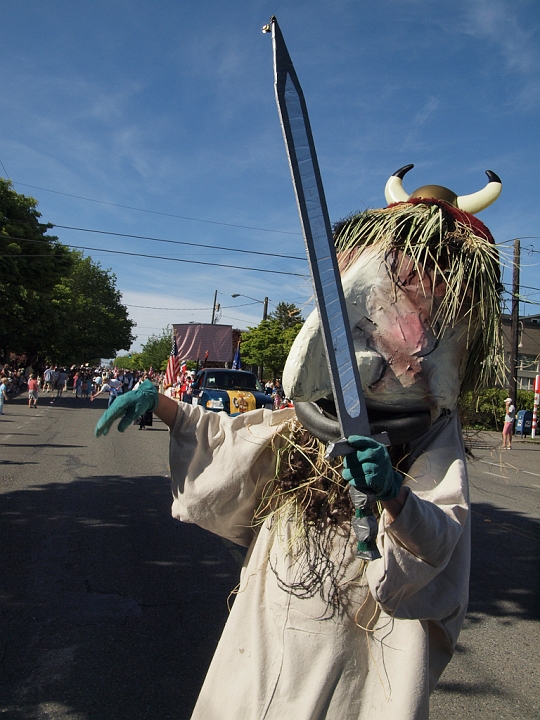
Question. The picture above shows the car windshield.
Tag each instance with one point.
(231, 381)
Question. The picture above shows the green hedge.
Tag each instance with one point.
(484, 409)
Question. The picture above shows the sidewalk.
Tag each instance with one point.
(491, 439)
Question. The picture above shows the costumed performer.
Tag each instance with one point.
(315, 632)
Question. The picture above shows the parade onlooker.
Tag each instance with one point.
(113, 387)
(61, 382)
(87, 386)
(32, 391)
(3, 394)
(508, 427)
(48, 379)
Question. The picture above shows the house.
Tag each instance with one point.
(528, 348)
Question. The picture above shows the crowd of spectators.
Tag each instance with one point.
(84, 382)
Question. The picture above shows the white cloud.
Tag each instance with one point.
(501, 23)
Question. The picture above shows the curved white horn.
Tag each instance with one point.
(480, 200)
(394, 192)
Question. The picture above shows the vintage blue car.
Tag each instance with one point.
(230, 391)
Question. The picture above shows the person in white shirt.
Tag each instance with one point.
(113, 387)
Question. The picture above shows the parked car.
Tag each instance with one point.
(230, 391)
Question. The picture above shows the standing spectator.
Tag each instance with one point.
(3, 394)
(278, 394)
(113, 387)
(146, 419)
(128, 382)
(87, 385)
(78, 385)
(48, 379)
(61, 382)
(32, 391)
(508, 426)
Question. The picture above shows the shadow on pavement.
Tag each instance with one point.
(505, 562)
(111, 609)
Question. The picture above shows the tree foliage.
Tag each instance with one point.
(31, 264)
(93, 321)
(54, 303)
(155, 352)
(485, 409)
(269, 343)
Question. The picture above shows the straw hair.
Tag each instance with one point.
(453, 253)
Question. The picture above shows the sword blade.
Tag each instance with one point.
(312, 208)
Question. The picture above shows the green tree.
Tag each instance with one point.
(485, 410)
(269, 343)
(32, 264)
(54, 303)
(155, 352)
(287, 315)
(93, 323)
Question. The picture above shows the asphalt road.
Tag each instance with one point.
(495, 674)
(111, 609)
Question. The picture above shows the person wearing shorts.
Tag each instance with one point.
(32, 391)
(508, 426)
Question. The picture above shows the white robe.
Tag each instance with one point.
(278, 656)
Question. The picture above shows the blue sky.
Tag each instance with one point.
(162, 115)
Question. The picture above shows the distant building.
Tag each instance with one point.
(528, 350)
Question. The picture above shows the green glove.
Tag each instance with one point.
(370, 468)
(128, 407)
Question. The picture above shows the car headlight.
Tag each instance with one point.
(215, 404)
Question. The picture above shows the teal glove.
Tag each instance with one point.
(128, 407)
(370, 468)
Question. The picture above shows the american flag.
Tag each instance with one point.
(173, 366)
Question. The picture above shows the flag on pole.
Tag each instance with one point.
(173, 366)
(237, 363)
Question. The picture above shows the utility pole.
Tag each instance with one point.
(216, 307)
(515, 325)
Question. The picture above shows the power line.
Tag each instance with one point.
(527, 287)
(153, 257)
(155, 212)
(149, 307)
(180, 242)
(4, 168)
(163, 240)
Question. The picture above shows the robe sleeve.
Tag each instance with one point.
(220, 466)
(424, 569)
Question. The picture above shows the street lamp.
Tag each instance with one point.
(263, 302)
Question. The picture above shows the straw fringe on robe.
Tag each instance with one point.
(278, 657)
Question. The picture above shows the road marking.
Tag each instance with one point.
(504, 477)
(530, 473)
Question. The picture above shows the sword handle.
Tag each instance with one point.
(364, 523)
(342, 447)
